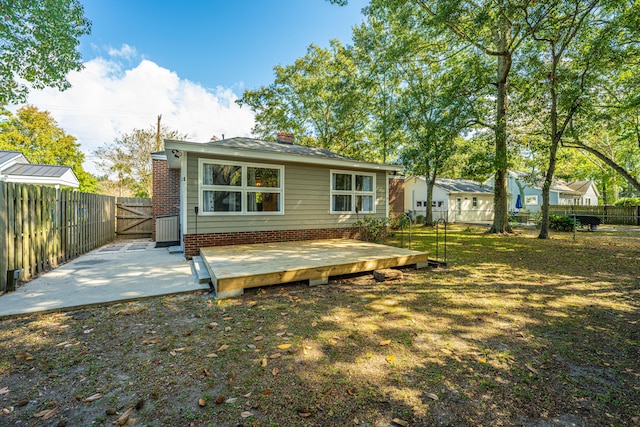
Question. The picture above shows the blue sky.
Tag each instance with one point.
(220, 42)
(188, 61)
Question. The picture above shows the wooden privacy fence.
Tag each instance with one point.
(618, 215)
(133, 217)
(42, 227)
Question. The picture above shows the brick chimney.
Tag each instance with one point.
(284, 137)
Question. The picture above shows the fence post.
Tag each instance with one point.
(4, 235)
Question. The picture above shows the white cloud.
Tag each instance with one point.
(125, 51)
(107, 99)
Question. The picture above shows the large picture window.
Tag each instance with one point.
(351, 191)
(234, 188)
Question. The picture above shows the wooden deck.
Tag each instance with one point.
(239, 267)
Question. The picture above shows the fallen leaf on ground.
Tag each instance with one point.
(400, 422)
(24, 355)
(304, 414)
(8, 410)
(390, 359)
(264, 362)
(4, 390)
(350, 392)
(47, 413)
(482, 360)
(202, 402)
(212, 325)
(93, 397)
(284, 346)
(246, 414)
(432, 396)
(258, 338)
(267, 391)
(251, 303)
(247, 395)
(220, 399)
(211, 355)
(124, 418)
(227, 318)
(231, 400)
(223, 347)
(275, 371)
(531, 368)
(275, 356)
(314, 324)
(207, 373)
(385, 342)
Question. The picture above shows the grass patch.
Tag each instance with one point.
(516, 331)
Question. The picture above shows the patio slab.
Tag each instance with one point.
(114, 273)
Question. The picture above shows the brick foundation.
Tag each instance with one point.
(166, 192)
(193, 242)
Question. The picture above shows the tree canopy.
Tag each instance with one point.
(38, 45)
(129, 157)
(41, 140)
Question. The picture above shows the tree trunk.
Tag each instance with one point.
(431, 180)
(500, 197)
(553, 150)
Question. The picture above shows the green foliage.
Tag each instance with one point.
(129, 157)
(318, 99)
(628, 201)
(37, 135)
(372, 229)
(39, 45)
(562, 222)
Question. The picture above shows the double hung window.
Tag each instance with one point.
(235, 188)
(352, 191)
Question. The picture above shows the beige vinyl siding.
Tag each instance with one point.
(306, 203)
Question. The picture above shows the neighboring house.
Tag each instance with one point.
(529, 186)
(14, 167)
(588, 191)
(455, 200)
(243, 190)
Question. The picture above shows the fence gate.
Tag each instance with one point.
(133, 217)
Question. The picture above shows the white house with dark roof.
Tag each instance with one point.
(588, 191)
(14, 167)
(244, 190)
(455, 200)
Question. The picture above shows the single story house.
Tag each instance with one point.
(14, 167)
(528, 188)
(244, 190)
(455, 200)
(588, 191)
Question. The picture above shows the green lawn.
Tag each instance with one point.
(515, 331)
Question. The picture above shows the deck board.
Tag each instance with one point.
(240, 267)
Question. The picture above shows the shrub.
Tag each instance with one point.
(628, 201)
(372, 229)
(562, 222)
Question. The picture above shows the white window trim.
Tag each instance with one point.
(244, 189)
(353, 193)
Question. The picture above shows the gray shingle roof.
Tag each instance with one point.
(6, 155)
(275, 147)
(462, 186)
(36, 170)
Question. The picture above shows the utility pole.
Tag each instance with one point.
(158, 140)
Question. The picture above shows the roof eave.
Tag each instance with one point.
(173, 149)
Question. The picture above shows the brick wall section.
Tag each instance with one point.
(249, 237)
(166, 192)
(396, 195)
